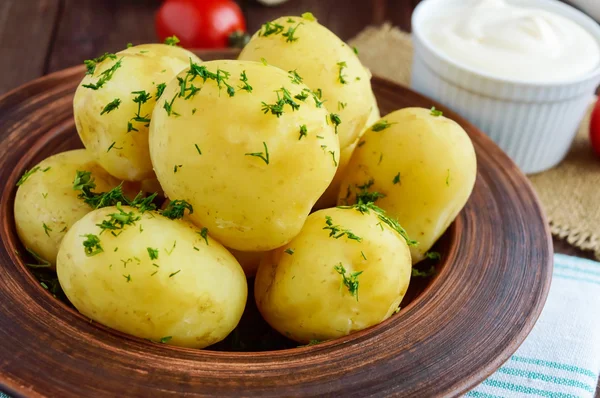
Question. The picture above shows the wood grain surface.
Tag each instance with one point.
(471, 317)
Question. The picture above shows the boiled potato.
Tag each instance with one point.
(248, 260)
(329, 197)
(251, 175)
(311, 289)
(155, 278)
(324, 62)
(46, 205)
(112, 120)
(423, 163)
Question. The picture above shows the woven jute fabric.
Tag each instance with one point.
(570, 192)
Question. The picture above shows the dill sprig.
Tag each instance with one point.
(289, 35)
(335, 120)
(244, 80)
(105, 76)
(270, 28)
(176, 209)
(336, 231)
(341, 77)
(172, 41)
(436, 112)
(91, 245)
(303, 132)
(381, 125)
(90, 64)
(349, 279)
(117, 221)
(295, 77)
(263, 155)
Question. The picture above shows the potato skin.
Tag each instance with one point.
(245, 203)
(143, 67)
(48, 197)
(301, 295)
(195, 296)
(315, 56)
(329, 197)
(436, 163)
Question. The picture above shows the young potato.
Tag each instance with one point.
(347, 270)
(112, 120)
(329, 197)
(425, 166)
(252, 169)
(157, 279)
(46, 205)
(324, 62)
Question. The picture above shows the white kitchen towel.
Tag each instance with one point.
(561, 356)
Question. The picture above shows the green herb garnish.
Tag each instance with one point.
(244, 80)
(263, 155)
(204, 234)
(309, 16)
(270, 28)
(127, 277)
(118, 220)
(153, 253)
(396, 179)
(335, 120)
(349, 279)
(295, 77)
(165, 339)
(436, 112)
(90, 64)
(289, 251)
(113, 146)
(381, 125)
(433, 256)
(91, 245)
(303, 132)
(174, 273)
(198, 149)
(176, 209)
(341, 77)
(172, 41)
(41, 262)
(105, 76)
(160, 88)
(333, 157)
(111, 106)
(289, 35)
(417, 273)
(336, 231)
(26, 175)
(46, 229)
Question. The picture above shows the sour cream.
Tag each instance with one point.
(512, 42)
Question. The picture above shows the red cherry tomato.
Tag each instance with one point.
(595, 128)
(199, 23)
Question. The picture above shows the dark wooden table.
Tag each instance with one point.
(38, 37)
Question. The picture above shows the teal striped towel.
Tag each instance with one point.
(561, 356)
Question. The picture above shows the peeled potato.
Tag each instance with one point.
(324, 62)
(252, 177)
(117, 138)
(329, 197)
(155, 278)
(300, 290)
(425, 166)
(46, 205)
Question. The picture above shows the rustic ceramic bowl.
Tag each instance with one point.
(451, 333)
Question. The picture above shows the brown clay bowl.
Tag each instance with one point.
(452, 332)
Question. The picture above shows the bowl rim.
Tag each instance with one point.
(357, 338)
(583, 20)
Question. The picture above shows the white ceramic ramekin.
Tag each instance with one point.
(534, 123)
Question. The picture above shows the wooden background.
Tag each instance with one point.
(38, 37)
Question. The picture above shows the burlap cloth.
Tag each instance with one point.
(569, 192)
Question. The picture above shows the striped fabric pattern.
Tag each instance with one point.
(561, 356)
